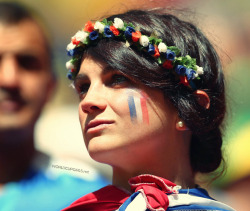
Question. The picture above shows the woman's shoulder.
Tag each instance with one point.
(195, 199)
(113, 198)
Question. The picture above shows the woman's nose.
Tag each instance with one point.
(95, 100)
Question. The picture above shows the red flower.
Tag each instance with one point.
(114, 30)
(136, 36)
(184, 81)
(157, 53)
(74, 41)
(168, 64)
(89, 26)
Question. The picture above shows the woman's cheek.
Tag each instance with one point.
(120, 104)
(136, 101)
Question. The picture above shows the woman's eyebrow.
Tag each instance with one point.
(106, 70)
(81, 76)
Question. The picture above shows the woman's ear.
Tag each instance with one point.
(202, 98)
(180, 125)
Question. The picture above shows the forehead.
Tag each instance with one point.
(24, 37)
(90, 66)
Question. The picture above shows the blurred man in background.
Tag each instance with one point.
(27, 82)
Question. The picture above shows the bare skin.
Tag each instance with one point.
(159, 147)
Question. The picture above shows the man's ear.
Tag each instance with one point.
(202, 98)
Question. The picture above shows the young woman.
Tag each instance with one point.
(152, 101)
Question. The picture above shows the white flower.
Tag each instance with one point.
(127, 44)
(162, 47)
(69, 65)
(118, 23)
(81, 36)
(196, 75)
(70, 46)
(144, 41)
(199, 70)
(98, 25)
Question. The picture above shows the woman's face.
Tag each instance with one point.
(120, 118)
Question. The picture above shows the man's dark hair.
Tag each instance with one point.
(12, 13)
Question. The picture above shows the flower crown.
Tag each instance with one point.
(166, 56)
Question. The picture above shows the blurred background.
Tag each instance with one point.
(227, 25)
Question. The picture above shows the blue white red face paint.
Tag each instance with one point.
(137, 103)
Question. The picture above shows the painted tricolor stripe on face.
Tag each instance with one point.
(132, 108)
(138, 109)
(144, 109)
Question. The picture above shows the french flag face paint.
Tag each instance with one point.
(138, 107)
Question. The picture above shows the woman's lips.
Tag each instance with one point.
(97, 125)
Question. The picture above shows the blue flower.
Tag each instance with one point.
(170, 55)
(73, 52)
(193, 86)
(128, 31)
(69, 76)
(151, 49)
(180, 70)
(190, 73)
(93, 35)
(107, 32)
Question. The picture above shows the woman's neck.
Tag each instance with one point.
(175, 168)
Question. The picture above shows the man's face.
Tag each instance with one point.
(25, 76)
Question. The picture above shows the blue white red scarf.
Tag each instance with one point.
(150, 193)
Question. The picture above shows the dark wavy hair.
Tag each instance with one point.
(206, 141)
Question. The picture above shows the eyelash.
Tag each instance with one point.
(116, 81)
(82, 89)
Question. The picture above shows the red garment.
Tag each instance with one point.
(111, 198)
(154, 188)
(107, 198)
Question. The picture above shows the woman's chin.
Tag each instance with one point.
(101, 155)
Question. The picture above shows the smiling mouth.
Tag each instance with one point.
(97, 125)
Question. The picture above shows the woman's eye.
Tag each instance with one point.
(118, 79)
(82, 89)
